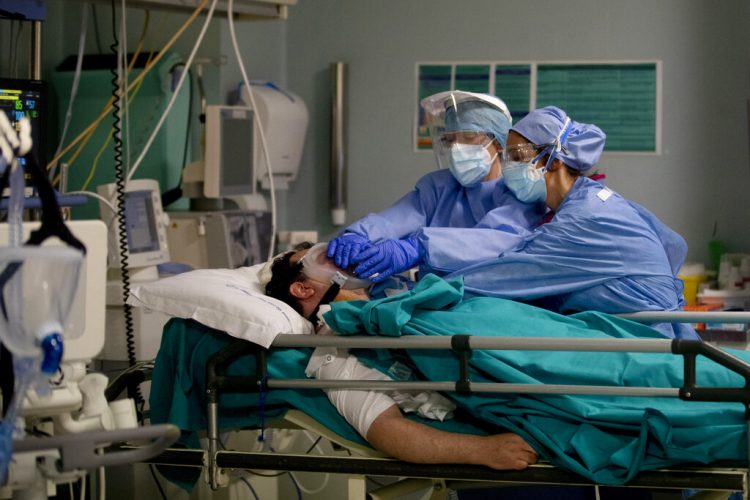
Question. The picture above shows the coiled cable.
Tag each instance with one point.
(120, 177)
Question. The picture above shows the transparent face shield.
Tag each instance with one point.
(461, 118)
(445, 137)
(316, 265)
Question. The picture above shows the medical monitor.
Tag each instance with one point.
(27, 98)
(145, 224)
(229, 167)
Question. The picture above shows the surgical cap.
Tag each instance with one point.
(582, 146)
(477, 116)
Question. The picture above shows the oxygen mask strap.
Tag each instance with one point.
(337, 282)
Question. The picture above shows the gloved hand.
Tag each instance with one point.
(389, 257)
(345, 249)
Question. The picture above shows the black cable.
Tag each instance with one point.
(122, 228)
(256, 473)
(313, 445)
(7, 378)
(296, 486)
(252, 490)
(156, 480)
(96, 29)
(33, 431)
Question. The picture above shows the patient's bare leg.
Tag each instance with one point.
(411, 441)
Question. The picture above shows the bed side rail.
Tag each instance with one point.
(217, 382)
(463, 345)
(649, 317)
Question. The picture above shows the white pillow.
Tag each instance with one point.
(231, 300)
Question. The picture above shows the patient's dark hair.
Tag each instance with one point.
(283, 274)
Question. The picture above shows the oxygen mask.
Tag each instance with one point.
(37, 288)
(316, 265)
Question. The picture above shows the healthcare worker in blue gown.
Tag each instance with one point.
(600, 251)
(463, 211)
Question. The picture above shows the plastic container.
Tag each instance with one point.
(729, 300)
(692, 275)
(726, 300)
(728, 275)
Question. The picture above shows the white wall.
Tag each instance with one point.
(701, 178)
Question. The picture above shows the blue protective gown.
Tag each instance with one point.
(462, 226)
(600, 252)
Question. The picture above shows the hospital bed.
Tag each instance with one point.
(218, 461)
(223, 380)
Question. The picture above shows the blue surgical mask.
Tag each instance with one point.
(470, 163)
(525, 181)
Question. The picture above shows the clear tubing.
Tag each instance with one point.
(74, 87)
(15, 210)
(15, 234)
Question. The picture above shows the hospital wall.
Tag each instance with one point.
(700, 180)
(699, 184)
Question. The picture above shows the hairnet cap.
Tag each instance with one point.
(581, 148)
(460, 111)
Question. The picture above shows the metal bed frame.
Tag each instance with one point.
(727, 478)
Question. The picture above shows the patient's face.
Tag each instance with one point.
(321, 287)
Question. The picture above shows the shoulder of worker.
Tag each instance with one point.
(591, 200)
(589, 193)
(598, 210)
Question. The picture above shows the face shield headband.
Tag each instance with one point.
(555, 147)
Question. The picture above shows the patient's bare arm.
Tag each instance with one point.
(411, 441)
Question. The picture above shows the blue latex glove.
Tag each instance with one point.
(345, 249)
(388, 257)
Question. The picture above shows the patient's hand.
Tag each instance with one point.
(402, 438)
(506, 451)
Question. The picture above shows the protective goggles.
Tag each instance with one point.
(316, 265)
(532, 153)
(526, 153)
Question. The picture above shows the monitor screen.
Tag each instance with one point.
(229, 155)
(145, 224)
(19, 98)
(141, 222)
(236, 152)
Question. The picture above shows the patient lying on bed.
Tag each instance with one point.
(377, 415)
(607, 439)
